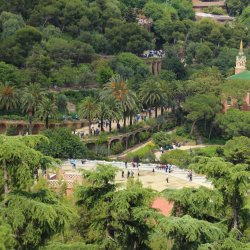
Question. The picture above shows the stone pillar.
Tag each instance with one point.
(109, 144)
(159, 67)
(155, 66)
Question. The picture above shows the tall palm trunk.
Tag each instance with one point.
(89, 126)
(110, 125)
(124, 119)
(162, 110)
(102, 129)
(156, 111)
(30, 123)
(47, 122)
(6, 188)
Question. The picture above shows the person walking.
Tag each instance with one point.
(122, 174)
(190, 175)
(126, 164)
(167, 176)
(128, 174)
(132, 173)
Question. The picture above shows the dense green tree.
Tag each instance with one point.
(16, 48)
(6, 238)
(202, 203)
(129, 38)
(10, 23)
(237, 150)
(34, 217)
(231, 180)
(62, 144)
(188, 233)
(114, 225)
(201, 107)
(234, 123)
(131, 67)
(19, 160)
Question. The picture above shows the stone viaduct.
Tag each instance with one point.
(22, 126)
(126, 139)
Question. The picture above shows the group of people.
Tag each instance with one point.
(167, 167)
(170, 147)
(130, 173)
(154, 53)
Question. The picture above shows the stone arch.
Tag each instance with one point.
(124, 141)
(20, 128)
(113, 141)
(131, 140)
(137, 137)
(36, 129)
(52, 125)
(91, 145)
(3, 128)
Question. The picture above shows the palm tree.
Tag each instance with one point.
(118, 88)
(8, 97)
(88, 110)
(46, 109)
(30, 99)
(151, 94)
(110, 109)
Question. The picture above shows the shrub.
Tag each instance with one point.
(12, 130)
(211, 151)
(162, 139)
(180, 158)
(144, 136)
(101, 150)
(61, 102)
(63, 144)
(117, 148)
(145, 154)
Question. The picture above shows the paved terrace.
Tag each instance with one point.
(155, 180)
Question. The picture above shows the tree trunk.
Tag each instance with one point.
(89, 126)
(156, 111)
(6, 188)
(110, 126)
(162, 110)
(124, 120)
(102, 124)
(30, 123)
(47, 122)
(130, 120)
(210, 131)
(236, 209)
(150, 113)
(192, 129)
